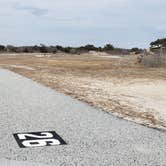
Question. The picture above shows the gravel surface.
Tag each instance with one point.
(93, 137)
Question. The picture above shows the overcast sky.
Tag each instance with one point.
(124, 23)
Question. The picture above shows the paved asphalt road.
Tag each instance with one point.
(92, 136)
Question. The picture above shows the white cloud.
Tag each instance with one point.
(76, 21)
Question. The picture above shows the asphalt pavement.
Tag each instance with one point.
(92, 137)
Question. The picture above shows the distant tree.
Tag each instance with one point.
(90, 47)
(99, 49)
(43, 48)
(52, 49)
(158, 43)
(67, 49)
(108, 47)
(136, 50)
(59, 48)
(36, 48)
(26, 50)
(2, 48)
(11, 48)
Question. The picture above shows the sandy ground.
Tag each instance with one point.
(116, 85)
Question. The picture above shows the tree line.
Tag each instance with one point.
(109, 48)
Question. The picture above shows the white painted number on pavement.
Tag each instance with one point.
(36, 139)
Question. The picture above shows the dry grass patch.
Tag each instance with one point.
(114, 85)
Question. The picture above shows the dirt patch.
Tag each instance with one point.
(116, 85)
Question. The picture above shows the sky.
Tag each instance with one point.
(123, 23)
